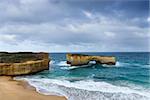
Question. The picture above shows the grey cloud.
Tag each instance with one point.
(32, 11)
(60, 25)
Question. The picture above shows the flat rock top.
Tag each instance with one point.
(69, 54)
(20, 57)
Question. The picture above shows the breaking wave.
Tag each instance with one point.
(86, 90)
(63, 63)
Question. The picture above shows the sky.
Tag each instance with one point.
(74, 25)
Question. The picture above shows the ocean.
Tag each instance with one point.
(129, 79)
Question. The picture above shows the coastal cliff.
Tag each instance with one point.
(23, 63)
(79, 59)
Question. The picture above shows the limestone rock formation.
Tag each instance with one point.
(79, 59)
(23, 63)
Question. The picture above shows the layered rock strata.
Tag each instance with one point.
(79, 59)
(22, 63)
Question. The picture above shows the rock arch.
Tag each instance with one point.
(79, 59)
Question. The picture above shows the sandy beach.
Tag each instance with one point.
(19, 90)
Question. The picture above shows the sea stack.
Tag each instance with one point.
(80, 59)
(22, 63)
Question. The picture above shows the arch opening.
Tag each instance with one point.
(92, 62)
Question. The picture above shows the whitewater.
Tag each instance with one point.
(124, 81)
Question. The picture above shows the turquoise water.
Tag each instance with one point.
(129, 79)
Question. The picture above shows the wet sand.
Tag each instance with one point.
(20, 90)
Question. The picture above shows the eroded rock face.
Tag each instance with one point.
(23, 63)
(79, 59)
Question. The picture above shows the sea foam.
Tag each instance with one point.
(86, 90)
(63, 63)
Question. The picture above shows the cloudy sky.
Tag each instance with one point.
(74, 25)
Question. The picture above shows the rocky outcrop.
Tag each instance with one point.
(23, 63)
(79, 59)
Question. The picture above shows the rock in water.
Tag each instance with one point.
(23, 63)
(79, 59)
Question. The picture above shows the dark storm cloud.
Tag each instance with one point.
(91, 25)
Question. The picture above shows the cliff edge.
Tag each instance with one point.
(22, 63)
